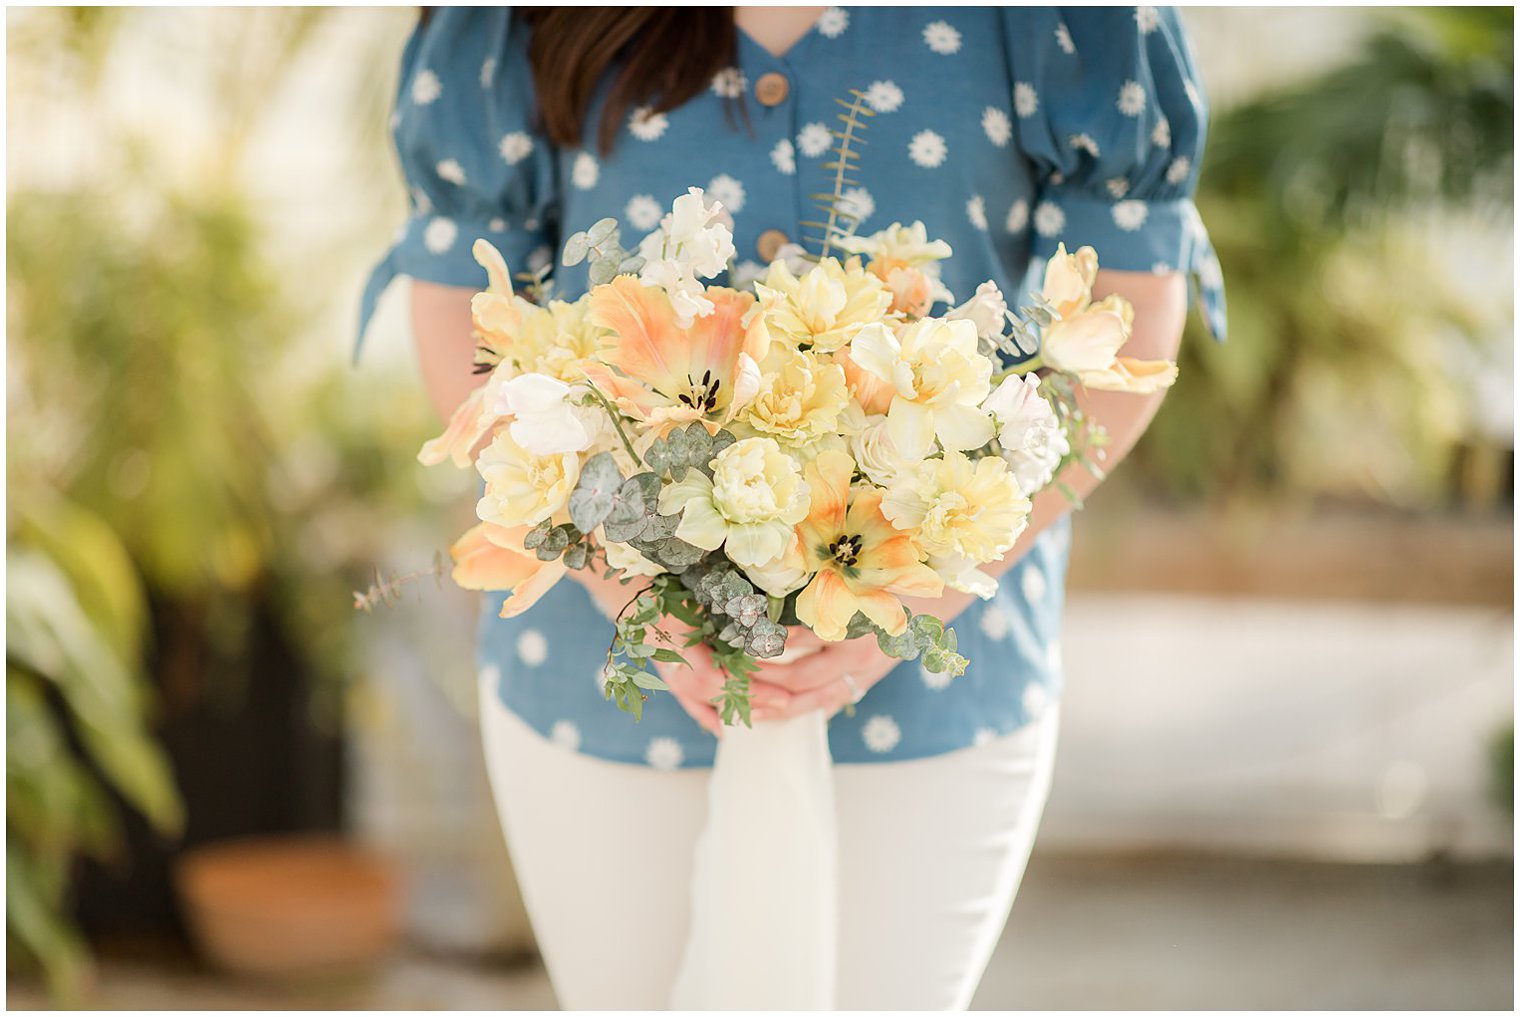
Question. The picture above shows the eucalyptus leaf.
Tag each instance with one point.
(591, 501)
(576, 248)
(537, 535)
(765, 639)
(601, 230)
(577, 556)
(602, 271)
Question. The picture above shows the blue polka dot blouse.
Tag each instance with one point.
(1006, 130)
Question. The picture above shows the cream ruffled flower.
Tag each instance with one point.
(962, 513)
(1085, 340)
(939, 380)
(554, 340)
(1029, 433)
(800, 400)
(898, 246)
(906, 260)
(750, 506)
(825, 307)
(523, 489)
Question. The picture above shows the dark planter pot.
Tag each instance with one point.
(249, 759)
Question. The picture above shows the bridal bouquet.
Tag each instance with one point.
(806, 450)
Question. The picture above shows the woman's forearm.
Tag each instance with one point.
(1160, 311)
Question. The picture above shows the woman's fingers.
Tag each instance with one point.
(810, 672)
(829, 698)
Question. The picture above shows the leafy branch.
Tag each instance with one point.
(387, 589)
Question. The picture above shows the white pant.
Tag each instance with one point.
(931, 854)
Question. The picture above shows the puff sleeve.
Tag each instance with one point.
(475, 165)
(1108, 108)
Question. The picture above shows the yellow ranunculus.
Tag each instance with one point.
(958, 507)
(523, 489)
(824, 308)
(939, 380)
(800, 400)
(749, 507)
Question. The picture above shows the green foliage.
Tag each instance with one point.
(74, 616)
(1501, 760)
(602, 243)
(1338, 376)
(169, 443)
(688, 448)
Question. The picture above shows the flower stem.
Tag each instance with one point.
(617, 423)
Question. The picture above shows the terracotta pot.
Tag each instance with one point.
(290, 906)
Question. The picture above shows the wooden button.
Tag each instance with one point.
(772, 89)
(769, 243)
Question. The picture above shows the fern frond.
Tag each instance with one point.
(841, 219)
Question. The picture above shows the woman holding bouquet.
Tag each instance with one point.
(1007, 132)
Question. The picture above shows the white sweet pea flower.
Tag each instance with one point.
(694, 242)
(987, 310)
(687, 295)
(547, 419)
(1029, 432)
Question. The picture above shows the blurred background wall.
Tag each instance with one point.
(1305, 571)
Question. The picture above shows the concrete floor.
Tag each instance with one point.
(1146, 932)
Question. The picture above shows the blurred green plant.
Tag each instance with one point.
(77, 712)
(1323, 199)
(1501, 768)
(182, 458)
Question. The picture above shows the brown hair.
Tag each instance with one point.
(662, 57)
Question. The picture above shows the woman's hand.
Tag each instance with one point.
(816, 681)
(699, 681)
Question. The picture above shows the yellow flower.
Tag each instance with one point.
(962, 514)
(491, 557)
(553, 340)
(558, 340)
(1069, 279)
(1085, 340)
(749, 507)
(523, 489)
(898, 246)
(957, 507)
(825, 308)
(800, 398)
(862, 563)
(938, 378)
